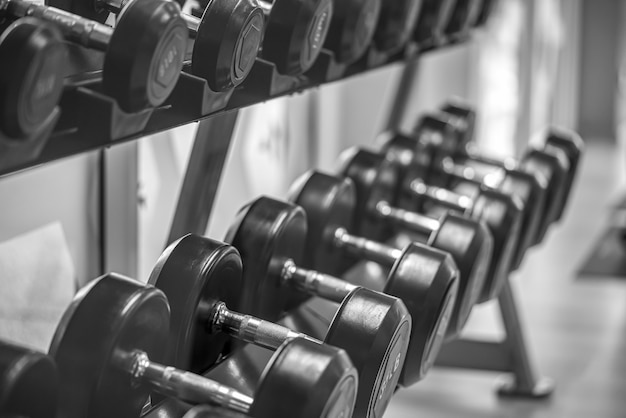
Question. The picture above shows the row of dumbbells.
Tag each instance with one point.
(122, 343)
(146, 50)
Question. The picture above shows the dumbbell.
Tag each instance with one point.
(23, 374)
(436, 168)
(110, 339)
(226, 41)
(144, 54)
(432, 21)
(294, 33)
(201, 276)
(352, 28)
(462, 19)
(485, 13)
(467, 240)
(397, 21)
(550, 165)
(462, 117)
(271, 236)
(501, 212)
(330, 203)
(32, 54)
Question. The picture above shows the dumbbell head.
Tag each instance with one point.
(485, 12)
(31, 76)
(295, 32)
(463, 117)
(227, 42)
(352, 28)
(432, 20)
(419, 273)
(144, 57)
(572, 145)
(110, 316)
(25, 373)
(196, 273)
(553, 166)
(268, 233)
(463, 18)
(397, 21)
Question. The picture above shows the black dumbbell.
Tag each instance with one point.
(352, 28)
(24, 373)
(395, 25)
(432, 21)
(549, 164)
(144, 54)
(294, 33)
(32, 54)
(109, 341)
(462, 117)
(467, 240)
(226, 42)
(270, 236)
(501, 212)
(201, 323)
(486, 12)
(462, 19)
(436, 168)
(330, 204)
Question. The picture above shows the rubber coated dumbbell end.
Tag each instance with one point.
(228, 37)
(23, 373)
(31, 76)
(145, 54)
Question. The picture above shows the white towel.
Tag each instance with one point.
(37, 283)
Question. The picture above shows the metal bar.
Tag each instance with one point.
(120, 216)
(403, 93)
(526, 378)
(202, 178)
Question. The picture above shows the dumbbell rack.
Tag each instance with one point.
(217, 114)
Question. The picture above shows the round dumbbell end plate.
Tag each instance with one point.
(329, 203)
(267, 233)
(24, 373)
(295, 33)
(375, 179)
(426, 279)
(374, 329)
(107, 321)
(313, 380)
(195, 273)
(397, 20)
(470, 244)
(145, 54)
(31, 87)
(503, 215)
(227, 43)
(352, 28)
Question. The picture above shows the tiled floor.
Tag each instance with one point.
(576, 328)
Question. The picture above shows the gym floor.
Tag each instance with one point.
(575, 326)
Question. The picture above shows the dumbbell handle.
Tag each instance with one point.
(75, 28)
(185, 385)
(466, 173)
(442, 196)
(316, 283)
(406, 219)
(250, 329)
(365, 248)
